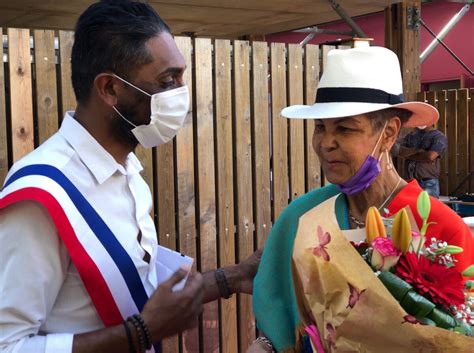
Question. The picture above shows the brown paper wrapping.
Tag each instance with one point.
(376, 322)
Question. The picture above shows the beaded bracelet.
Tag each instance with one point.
(146, 331)
(131, 345)
(222, 283)
(140, 334)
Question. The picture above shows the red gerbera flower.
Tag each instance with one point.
(440, 284)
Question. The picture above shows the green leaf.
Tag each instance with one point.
(469, 285)
(426, 321)
(442, 319)
(423, 205)
(395, 285)
(450, 249)
(416, 305)
(468, 272)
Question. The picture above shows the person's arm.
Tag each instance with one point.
(435, 150)
(260, 345)
(239, 278)
(166, 313)
(33, 266)
(424, 156)
(406, 152)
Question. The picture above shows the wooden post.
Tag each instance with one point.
(404, 40)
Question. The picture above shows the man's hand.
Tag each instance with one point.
(167, 313)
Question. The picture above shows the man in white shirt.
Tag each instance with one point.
(78, 244)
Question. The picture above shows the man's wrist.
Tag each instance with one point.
(222, 283)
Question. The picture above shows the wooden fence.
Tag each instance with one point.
(219, 186)
(456, 109)
(224, 179)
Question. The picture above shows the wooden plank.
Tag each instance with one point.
(46, 90)
(471, 138)
(261, 142)
(343, 47)
(295, 94)
(207, 184)
(164, 186)
(186, 201)
(21, 96)
(325, 49)
(441, 105)
(421, 97)
(409, 54)
(389, 40)
(451, 128)
(405, 43)
(440, 97)
(279, 130)
(225, 187)
(68, 99)
(3, 124)
(313, 166)
(462, 142)
(165, 205)
(243, 173)
(431, 98)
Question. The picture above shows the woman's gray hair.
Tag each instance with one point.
(380, 117)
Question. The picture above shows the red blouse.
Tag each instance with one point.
(449, 226)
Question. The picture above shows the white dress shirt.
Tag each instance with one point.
(43, 301)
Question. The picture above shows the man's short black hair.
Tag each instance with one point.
(110, 36)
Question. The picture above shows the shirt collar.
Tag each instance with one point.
(100, 162)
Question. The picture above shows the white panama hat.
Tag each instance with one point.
(361, 80)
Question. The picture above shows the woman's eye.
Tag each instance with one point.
(344, 129)
(319, 128)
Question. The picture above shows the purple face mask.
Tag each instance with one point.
(365, 176)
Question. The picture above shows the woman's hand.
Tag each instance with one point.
(259, 346)
(248, 271)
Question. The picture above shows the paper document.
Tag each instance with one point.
(168, 262)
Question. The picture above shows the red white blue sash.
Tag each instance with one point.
(105, 267)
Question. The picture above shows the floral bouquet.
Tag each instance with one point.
(394, 292)
(419, 273)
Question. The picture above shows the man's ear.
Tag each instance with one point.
(391, 132)
(107, 87)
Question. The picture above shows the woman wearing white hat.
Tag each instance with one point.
(359, 112)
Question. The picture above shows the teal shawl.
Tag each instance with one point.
(274, 302)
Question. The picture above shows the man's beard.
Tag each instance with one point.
(121, 129)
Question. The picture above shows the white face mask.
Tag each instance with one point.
(422, 127)
(168, 113)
